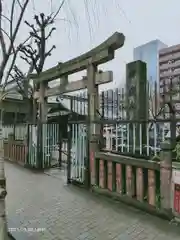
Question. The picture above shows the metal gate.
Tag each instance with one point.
(49, 147)
(55, 150)
(78, 152)
(32, 146)
(50, 143)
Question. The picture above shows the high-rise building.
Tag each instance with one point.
(169, 75)
(149, 54)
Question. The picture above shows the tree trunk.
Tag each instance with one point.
(3, 221)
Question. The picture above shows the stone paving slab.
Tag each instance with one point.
(68, 213)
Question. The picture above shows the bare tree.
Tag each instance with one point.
(35, 55)
(162, 106)
(155, 106)
(8, 38)
(8, 50)
(24, 88)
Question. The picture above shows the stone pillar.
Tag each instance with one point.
(93, 129)
(63, 82)
(165, 175)
(136, 102)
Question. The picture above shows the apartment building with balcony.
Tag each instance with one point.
(169, 77)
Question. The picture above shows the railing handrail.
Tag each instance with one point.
(132, 161)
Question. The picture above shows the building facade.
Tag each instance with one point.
(149, 53)
(169, 76)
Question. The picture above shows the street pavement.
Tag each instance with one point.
(40, 206)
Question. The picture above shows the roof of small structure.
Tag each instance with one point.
(58, 107)
(59, 112)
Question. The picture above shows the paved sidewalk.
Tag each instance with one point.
(68, 213)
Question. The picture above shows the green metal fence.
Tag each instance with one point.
(78, 152)
(50, 142)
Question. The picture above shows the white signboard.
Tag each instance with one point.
(176, 176)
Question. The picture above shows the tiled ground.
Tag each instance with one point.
(67, 213)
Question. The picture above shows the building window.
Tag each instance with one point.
(167, 81)
(161, 90)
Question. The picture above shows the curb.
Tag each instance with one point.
(11, 236)
(15, 235)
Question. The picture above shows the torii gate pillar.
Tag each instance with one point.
(93, 132)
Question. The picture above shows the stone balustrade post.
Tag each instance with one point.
(165, 175)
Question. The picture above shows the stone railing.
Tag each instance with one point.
(143, 183)
(15, 150)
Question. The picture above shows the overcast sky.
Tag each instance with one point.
(89, 22)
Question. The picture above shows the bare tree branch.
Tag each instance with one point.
(15, 54)
(7, 54)
(2, 42)
(30, 56)
(49, 34)
(26, 60)
(18, 23)
(7, 35)
(59, 9)
(5, 17)
(20, 79)
(19, 85)
(11, 18)
(34, 31)
(9, 70)
(37, 56)
(49, 52)
(154, 103)
(19, 4)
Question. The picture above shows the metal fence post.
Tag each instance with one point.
(165, 175)
(69, 154)
(69, 143)
(27, 146)
(39, 145)
(87, 163)
(60, 147)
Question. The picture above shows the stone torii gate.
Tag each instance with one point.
(89, 62)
